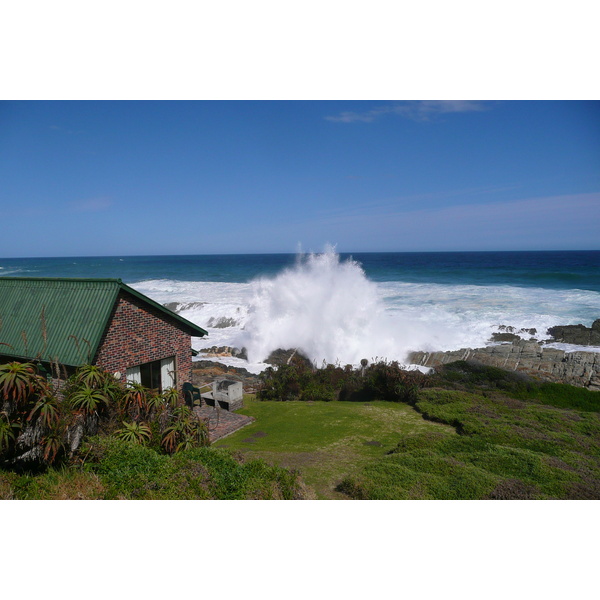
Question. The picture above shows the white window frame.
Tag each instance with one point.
(168, 372)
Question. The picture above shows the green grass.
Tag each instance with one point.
(518, 439)
(326, 440)
(479, 377)
(508, 449)
(122, 470)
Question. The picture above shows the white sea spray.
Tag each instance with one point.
(328, 308)
(324, 307)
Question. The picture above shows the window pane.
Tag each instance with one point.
(134, 375)
(167, 370)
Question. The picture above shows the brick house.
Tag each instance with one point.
(103, 322)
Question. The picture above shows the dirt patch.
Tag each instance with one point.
(513, 489)
(511, 402)
(557, 463)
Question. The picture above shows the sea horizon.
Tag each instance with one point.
(294, 253)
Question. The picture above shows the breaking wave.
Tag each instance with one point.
(328, 309)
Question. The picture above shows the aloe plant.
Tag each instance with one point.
(52, 443)
(171, 437)
(88, 400)
(135, 398)
(91, 376)
(7, 433)
(137, 433)
(19, 381)
(47, 410)
(171, 395)
(185, 432)
(157, 403)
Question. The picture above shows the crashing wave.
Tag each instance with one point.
(330, 310)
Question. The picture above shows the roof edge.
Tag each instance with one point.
(66, 279)
(32, 359)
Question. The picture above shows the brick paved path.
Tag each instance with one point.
(221, 422)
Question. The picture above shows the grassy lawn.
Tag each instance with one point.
(494, 436)
(326, 441)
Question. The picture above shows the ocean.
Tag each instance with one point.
(340, 308)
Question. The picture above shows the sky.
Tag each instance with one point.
(95, 178)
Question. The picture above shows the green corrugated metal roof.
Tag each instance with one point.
(63, 319)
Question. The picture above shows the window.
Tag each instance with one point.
(156, 375)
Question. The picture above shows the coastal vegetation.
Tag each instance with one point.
(325, 441)
(380, 380)
(468, 431)
(513, 437)
(93, 437)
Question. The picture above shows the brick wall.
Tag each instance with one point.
(137, 334)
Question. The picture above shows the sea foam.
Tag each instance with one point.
(328, 308)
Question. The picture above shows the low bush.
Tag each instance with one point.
(128, 470)
(116, 469)
(421, 476)
(468, 375)
(379, 381)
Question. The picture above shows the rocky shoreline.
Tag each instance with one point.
(578, 368)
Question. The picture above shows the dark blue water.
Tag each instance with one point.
(550, 270)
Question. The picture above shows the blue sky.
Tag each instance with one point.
(85, 178)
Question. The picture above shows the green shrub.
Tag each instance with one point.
(473, 375)
(380, 381)
(130, 471)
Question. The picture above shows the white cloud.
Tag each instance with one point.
(421, 110)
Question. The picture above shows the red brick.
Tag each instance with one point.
(138, 334)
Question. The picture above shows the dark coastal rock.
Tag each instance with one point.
(504, 337)
(576, 368)
(579, 335)
(506, 333)
(221, 322)
(287, 357)
(225, 351)
(177, 307)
